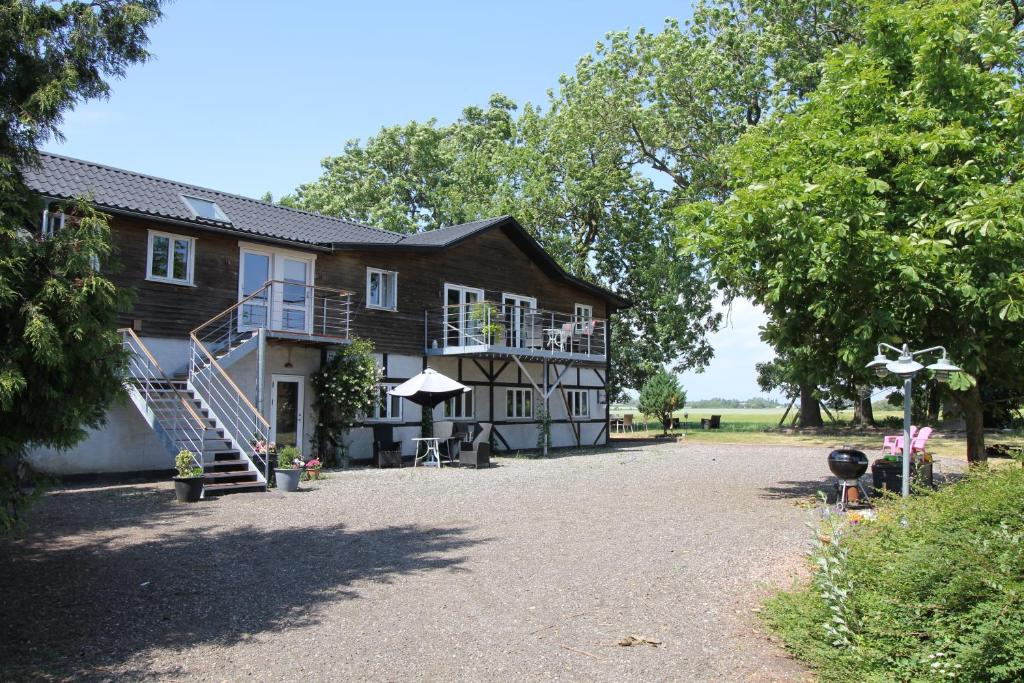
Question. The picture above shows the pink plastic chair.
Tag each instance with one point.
(893, 444)
(918, 442)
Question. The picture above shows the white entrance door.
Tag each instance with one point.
(287, 396)
(462, 328)
(288, 305)
(516, 310)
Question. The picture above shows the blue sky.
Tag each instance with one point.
(247, 97)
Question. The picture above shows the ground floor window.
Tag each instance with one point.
(459, 408)
(519, 403)
(387, 407)
(579, 402)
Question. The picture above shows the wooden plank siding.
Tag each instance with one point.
(490, 261)
(171, 310)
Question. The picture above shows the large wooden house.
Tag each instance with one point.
(238, 301)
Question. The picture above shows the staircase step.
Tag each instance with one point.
(226, 454)
(237, 487)
(235, 477)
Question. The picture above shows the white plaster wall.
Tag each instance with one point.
(304, 360)
(171, 354)
(126, 443)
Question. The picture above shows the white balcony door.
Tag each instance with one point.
(288, 304)
(517, 311)
(461, 329)
(294, 296)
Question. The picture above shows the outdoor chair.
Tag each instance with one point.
(919, 442)
(443, 431)
(893, 443)
(627, 422)
(386, 451)
(479, 452)
(715, 422)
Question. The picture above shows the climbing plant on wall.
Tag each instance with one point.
(345, 387)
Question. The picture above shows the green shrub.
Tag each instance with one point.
(286, 457)
(186, 465)
(938, 597)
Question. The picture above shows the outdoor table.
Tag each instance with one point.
(432, 455)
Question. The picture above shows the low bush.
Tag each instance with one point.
(933, 589)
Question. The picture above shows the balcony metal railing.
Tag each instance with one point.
(181, 426)
(289, 308)
(487, 326)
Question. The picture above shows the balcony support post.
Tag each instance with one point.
(261, 367)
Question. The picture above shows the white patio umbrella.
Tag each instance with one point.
(429, 388)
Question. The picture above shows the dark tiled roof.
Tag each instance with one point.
(446, 236)
(116, 189)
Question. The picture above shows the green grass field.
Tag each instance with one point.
(745, 425)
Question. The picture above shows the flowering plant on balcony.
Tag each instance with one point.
(345, 387)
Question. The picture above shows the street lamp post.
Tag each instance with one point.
(905, 367)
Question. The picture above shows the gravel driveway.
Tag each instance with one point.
(533, 569)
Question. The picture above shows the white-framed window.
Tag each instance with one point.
(458, 407)
(579, 402)
(170, 258)
(381, 289)
(386, 407)
(53, 220)
(583, 316)
(519, 404)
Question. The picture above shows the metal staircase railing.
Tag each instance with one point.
(179, 425)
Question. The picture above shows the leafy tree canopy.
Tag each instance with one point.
(597, 174)
(661, 396)
(60, 356)
(887, 207)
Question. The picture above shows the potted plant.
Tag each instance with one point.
(188, 485)
(289, 469)
(313, 468)
(485, 320)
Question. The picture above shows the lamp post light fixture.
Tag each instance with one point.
(905, 367)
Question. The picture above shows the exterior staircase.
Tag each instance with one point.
(183, 422)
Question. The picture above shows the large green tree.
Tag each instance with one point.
(888, 206)
(59, 353)
(598, 172)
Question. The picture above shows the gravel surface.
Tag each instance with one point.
(533, 569)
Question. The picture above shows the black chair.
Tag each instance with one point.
(714, 423)
(386, 451)
(478, 452)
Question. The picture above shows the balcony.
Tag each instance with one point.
(486, 328)
(286, 310)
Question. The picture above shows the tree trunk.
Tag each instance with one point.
(970, 403)
(810, 409)
(934, 403)
(863, 412)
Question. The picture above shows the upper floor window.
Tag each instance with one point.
(53, 220)
(204, 208)
(579, 402)
(583, 317)
(519, 403)
(381, 289)
(171, 258)
(459, 407)
(386, 407)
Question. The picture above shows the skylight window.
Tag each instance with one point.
(204, 208)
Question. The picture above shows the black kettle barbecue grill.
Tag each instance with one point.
(848, 465)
